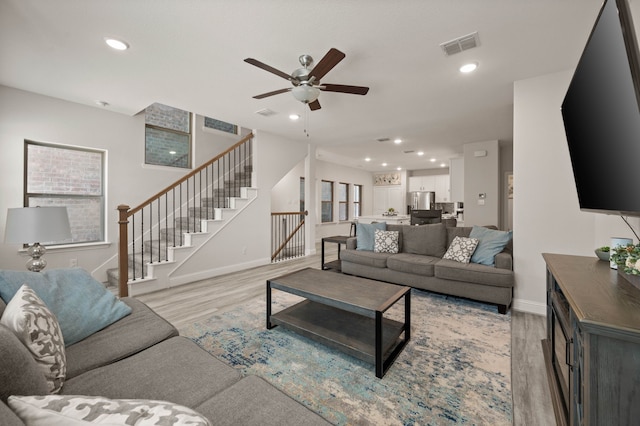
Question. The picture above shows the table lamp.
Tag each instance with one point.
(28, 225)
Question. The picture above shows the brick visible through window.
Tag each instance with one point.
(56, 175)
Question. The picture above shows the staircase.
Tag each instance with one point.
(163, 232)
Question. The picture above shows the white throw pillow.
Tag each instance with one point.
(461, 249)
(385, 241)
(32, 322)
(72, 410)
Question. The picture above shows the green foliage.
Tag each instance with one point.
(628, 258)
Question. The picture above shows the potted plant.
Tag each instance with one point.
(628, 260)
(603, 253)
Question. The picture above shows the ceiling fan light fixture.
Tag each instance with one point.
(305, 93)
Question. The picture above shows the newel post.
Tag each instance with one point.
(123, 255)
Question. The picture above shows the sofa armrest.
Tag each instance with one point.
(352, 243)
(503, 260)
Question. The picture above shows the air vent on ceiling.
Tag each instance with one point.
(461, 44)
(266, 112)
(409, 151)
(383, 139)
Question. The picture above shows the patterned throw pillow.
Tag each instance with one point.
(64, 410)
(385, 241)
(37, 328)
(461, 249)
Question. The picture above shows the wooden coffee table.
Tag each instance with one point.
(346, 313)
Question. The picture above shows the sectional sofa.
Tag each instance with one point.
(419, 263)
(139, 356)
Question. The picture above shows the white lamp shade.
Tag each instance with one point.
(37, 224)
(305, 93)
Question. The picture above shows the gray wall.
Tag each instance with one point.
(482, 176)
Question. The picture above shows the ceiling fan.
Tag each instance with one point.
(306, 80)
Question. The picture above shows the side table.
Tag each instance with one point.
(338, 239)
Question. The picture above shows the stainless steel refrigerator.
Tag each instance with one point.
(422, 200)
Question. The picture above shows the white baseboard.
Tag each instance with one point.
(529, 306)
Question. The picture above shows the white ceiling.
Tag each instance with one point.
(189, 54)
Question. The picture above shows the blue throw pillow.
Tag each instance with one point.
(81, 304)
(491, 242)
(365, 234)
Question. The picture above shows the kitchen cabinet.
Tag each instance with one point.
(385, 197)
(437, 183)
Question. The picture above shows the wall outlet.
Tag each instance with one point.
(73, 262)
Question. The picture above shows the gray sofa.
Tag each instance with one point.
(141, 356)
(419, 264)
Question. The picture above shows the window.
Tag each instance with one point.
(223, 126)
(357, 200)
(301, 194)
(57, 175)
(327, 201)
(167, 136)
(343, 201)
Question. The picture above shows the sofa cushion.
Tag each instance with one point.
(367, 258)
(135, 332)
(460, 231)
(254, 402)
(491, 243)
(461, 249)
(175, 370)
(37, 328)
(385, 241)
(64, 410)
(19, 372)
(365, 234)
(428, 240)
(473, 273)
(8, 417)
(413, 264)
(81, 304)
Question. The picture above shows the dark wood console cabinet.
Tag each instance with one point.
(592, 349)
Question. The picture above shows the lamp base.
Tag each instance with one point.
(36, 263)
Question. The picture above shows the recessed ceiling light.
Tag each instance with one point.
(433, 160)
(397, 141)
(399, 168)
(470, 67)
(420, 153)
(116, 44)
(443, 165)
(294, 117)
(367, 159)
(384, 164)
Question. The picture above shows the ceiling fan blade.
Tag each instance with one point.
(275, 92)
(354, 90)
(327, 63)
(314, 105)
(266, 67)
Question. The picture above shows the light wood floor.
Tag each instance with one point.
(200, 300)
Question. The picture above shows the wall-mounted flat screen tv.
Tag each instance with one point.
(601, 113)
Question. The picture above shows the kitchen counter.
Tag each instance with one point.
(401, 219)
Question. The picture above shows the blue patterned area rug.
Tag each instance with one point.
(456, 368)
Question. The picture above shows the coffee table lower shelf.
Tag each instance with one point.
(346, 331)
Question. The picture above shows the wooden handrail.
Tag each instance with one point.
(285, 213)
(189, 175)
